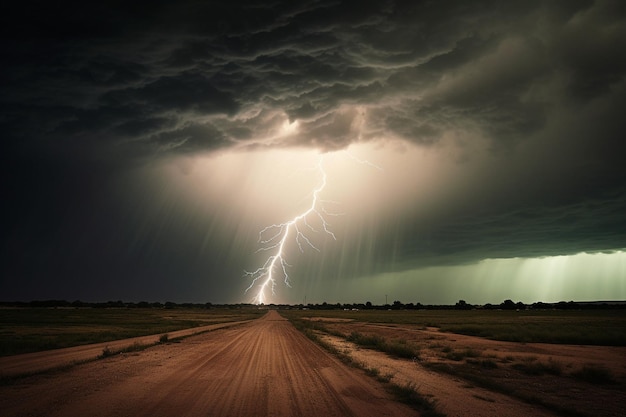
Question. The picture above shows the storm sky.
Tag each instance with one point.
(473, 150)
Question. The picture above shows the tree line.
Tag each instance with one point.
(396, 305)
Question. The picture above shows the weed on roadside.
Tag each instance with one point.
(135, 347)
(408, 394)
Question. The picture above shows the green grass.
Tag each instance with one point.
(398, 348)
(583, 327)
(24, 330)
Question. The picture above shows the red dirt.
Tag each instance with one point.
(262, 368)
(458, 396)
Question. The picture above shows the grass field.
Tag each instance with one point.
(583, 327)
(24, 330)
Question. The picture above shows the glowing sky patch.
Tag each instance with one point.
(581, 277)
(275, 237)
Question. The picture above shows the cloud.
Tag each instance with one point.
(520, 102)
(413, 70)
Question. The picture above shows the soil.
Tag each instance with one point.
(494, 378)
(262, 368)
(266, 367)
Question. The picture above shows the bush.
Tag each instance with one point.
(402, 350)
(399, 348)
(106, 352)
(371, 341)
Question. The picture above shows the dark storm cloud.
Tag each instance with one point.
(88, 90)
(585, 226)
(420, 68)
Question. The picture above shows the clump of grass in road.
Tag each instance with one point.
(135, 347)
(106, 352)
(164, 338)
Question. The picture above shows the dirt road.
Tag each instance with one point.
(263, 368)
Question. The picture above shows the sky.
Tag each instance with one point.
(411, 150)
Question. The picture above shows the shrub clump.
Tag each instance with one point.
(594, 374)
(552, 367)
(399, 348)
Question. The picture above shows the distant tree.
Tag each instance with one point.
(462, 305)
(508, 305)
(397, 305)
(570, 305)
(368, 305)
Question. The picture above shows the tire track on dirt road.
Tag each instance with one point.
(263, 368)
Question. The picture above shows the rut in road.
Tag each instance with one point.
(263, 368)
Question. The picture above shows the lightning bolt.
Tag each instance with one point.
(276, 236)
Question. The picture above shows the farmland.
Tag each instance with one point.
(24, 330)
